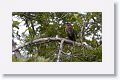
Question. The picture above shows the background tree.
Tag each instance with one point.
(37, 25)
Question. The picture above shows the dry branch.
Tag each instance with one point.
(41, 40)
(60, 50)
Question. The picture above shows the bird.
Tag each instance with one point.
(70, 32)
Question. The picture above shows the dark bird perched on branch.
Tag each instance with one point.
(70, 32)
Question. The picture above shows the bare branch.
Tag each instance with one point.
(60, 50)
(41, 40)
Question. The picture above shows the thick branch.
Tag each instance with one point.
(47, 40)
(60, 50)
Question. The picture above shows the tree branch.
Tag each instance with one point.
(41, 40)
(60, 50)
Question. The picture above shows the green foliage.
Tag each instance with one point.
(15, 24)
(49, 24)
(31, 59)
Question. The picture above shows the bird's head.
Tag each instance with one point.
(68, 25)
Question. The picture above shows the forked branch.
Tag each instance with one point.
(41, 40)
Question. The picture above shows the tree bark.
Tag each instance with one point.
(60, 50)
(41, 40)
